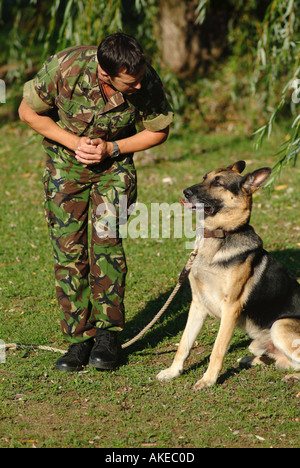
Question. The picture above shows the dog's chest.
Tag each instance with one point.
(210, 284)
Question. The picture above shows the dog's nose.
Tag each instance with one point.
(188, 193)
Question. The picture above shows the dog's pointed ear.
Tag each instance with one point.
(238, 166)
(253, 181)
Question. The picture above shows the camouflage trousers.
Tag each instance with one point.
(90, 265)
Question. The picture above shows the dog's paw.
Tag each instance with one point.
(202, 384)
(250, 361)
(167, 375)
(291, 378)
(246, 362)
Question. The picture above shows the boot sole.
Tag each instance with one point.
(68, 369)
(102, 365)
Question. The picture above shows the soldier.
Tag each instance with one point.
(98, 95)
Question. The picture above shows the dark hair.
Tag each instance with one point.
(119, 52)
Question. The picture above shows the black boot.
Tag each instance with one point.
(76, 357)
(104, 354)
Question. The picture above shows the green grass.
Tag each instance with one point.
(127, 407)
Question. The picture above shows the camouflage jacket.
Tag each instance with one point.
(68, 81)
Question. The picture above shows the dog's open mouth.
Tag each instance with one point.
(187, 204)
(208, 210)
(190, 206)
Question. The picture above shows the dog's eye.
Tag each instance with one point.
(217, 182)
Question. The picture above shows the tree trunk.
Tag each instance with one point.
(188, 46)
(180, 40)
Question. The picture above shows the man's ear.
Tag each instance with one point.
(102, 72)
(238, 166)
(253, 181)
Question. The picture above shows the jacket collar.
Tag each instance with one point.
(92, 84)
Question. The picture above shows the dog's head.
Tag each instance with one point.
(226, 195)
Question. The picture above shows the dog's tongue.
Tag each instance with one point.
(186, 204)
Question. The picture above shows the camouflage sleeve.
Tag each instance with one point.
(40, 93)
(157, 113)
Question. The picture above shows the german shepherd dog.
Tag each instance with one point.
(235, 280)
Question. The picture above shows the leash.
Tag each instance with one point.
(30, 346)
(182, 277)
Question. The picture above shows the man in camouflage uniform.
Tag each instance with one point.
(99, 94)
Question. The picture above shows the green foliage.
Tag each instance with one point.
(82, 22)
(201, 10)
(257, 70)
(277, 48)
(278, 58)
(57, 24)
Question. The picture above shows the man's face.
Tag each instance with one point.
(125, 83)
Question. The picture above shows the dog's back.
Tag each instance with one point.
(276, 293)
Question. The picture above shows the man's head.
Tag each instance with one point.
(121, 62)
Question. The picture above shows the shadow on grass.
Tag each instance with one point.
(290, 258)
(171, 322)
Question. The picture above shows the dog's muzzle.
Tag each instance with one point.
(195, 200)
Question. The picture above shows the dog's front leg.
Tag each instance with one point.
(196, 318)
(228, 322)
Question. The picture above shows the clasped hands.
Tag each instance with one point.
(93, 151)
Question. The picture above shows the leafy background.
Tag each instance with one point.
(230, 65)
